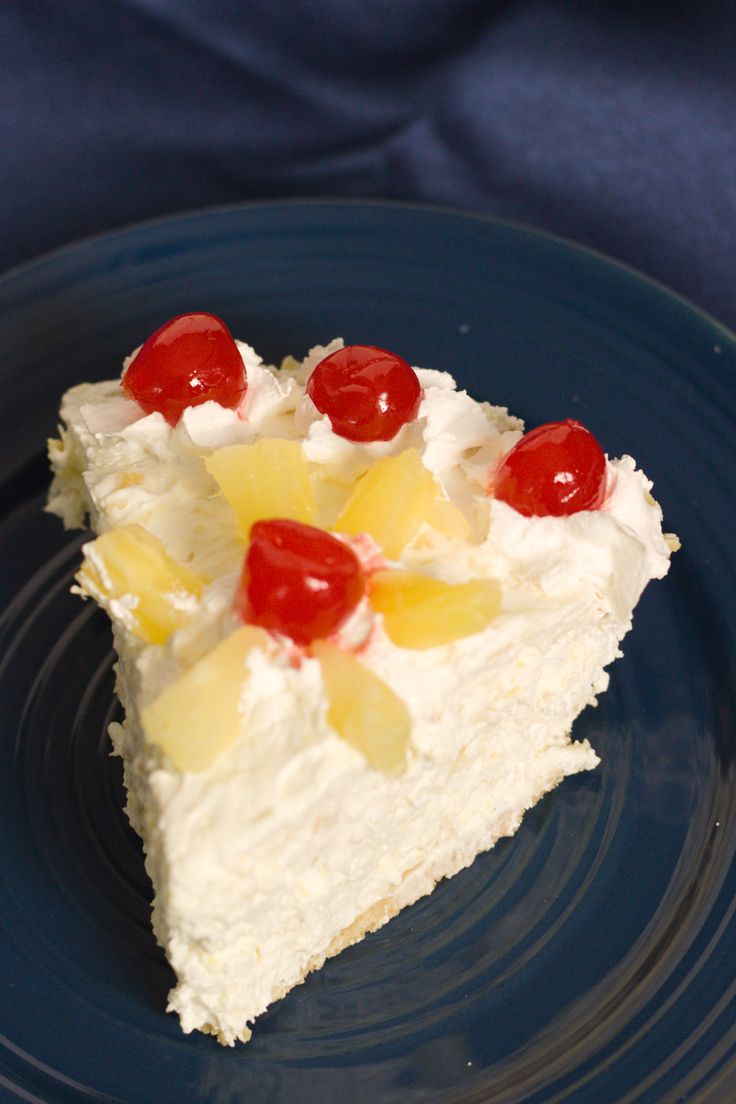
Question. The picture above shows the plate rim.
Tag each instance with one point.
(60, 252)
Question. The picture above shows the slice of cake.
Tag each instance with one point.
(356, 614)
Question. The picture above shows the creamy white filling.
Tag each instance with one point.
(263, 860)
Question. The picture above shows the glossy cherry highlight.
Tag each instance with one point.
(367, 393)
(298, 581)
(192, 358)
(556, 469)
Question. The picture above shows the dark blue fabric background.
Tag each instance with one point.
(612, 122)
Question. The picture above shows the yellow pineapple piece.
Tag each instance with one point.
(422, 612)
(130, 574)
(394, 498)
(130, 479)
(196, 718)
(362, 709)
(269, 479)
(330, 497)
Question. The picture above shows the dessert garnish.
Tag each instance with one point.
(298, 581)
(196, 717)
(394, 499)
(191, 359)
(367, 393)
(363, 709)
(264, 480)
(420, 611)
(556, 469)
(131, 575)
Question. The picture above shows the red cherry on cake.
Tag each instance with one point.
(367, 393)
(191, 359)
(556, 469)
(298, 580)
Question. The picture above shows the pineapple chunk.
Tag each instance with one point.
(130, 574)
(130, 479)
(269, 479)
(330, 497)
(196, 718)
(362, 709)
(394, 498)
(422, 612)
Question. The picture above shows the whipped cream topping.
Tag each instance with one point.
(265, 859)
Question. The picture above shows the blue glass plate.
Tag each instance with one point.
(590, 959)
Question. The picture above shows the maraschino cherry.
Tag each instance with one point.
(298, 581)
(192, 358)
(556, 469)
(367, 393)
